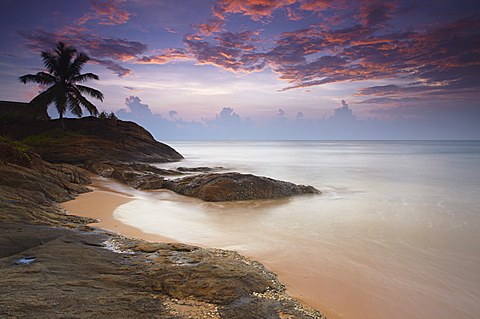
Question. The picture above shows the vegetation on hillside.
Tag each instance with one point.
(15, 152)
(52, 136)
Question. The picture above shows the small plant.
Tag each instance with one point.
(105, 115)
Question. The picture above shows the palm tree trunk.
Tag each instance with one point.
(62, 122)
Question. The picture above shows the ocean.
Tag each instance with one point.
(394, 234)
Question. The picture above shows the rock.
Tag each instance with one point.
(201, 169)
(99, 139)
(30, 188)
(235, 186)
(128, 177)
(106, 168)
(56, 272)
(137, 175)
(56, 183)
(152, 169)
(212, 187)
(51, 272)
(148, 182)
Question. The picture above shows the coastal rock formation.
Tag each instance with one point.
(30, 188)
(51, 272)
(235, 186)
(210, 187)
(110, 168)
(54, 266)
(98, 139)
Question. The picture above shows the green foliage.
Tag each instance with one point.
(15, 152)
(52, 136)
(105, 115)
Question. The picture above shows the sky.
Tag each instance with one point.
(263, 69)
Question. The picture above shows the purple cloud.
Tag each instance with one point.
(107, 51)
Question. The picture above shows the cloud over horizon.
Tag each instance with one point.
(228, 125)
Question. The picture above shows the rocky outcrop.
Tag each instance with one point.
(210, 187)
(235, 186)
(30, 188)
(49, 272)
(97, 139)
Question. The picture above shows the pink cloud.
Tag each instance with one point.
(213, 25)
(256, 9)
(107, 51)
(107, 12)
(169, 55)
(230, 51)
(439, 58)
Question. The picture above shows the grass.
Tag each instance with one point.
(52, 136)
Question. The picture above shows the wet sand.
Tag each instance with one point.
(100, 204)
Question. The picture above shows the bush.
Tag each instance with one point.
(15, 152)
(52, 136)
(105, 115)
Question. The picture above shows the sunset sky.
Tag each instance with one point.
(263, 69)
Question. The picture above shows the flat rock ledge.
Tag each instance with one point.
(210, 187)
(52, 272)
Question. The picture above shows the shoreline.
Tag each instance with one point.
(101, 203)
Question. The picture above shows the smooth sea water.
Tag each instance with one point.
(395, 234)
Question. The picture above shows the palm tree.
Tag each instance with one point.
(64, 65)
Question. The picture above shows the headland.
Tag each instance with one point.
(56, 265)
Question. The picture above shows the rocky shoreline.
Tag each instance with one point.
(56, 266)
(205, 184)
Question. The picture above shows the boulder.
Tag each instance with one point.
(137, 175)
(217, 187)
(210, 187)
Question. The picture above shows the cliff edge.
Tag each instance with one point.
(89, 138)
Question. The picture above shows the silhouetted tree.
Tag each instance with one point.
(64, 66)
(105, 115)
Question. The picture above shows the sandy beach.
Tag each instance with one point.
(102, 201)
(100, 204)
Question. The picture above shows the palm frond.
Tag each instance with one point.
(96, 94)
(40, 78)
(77, 65)
(86, 103)
(50, 61)
(63, 48)
(64, 65)
(74, 105)
(85, 77)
